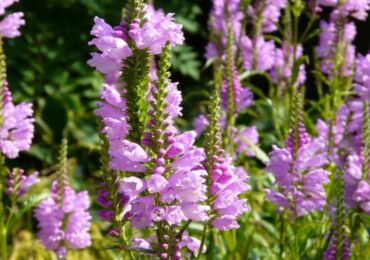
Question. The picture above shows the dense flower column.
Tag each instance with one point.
(225, 182)
(226, 48)
(258, 54)
(117, 51)
(163, 186)
(344, 133)
(298, 170)
(63, 218)
(337, 54)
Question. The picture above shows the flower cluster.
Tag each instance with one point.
(113, 42)
(18, 183)
(243, 97)
(300, 180)
(331, 252)
(299, 170)
(63, 220)
(172, 188)
(268, 11)
(228, 183)
(328, 47)
(9, 26)
(282, 69)
(229, 37)
(16, 130)
(362, 77)
(355, 8)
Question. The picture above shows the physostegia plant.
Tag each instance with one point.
(16, 133)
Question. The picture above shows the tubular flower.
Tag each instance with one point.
(281, 71)
(300, 181)
(9, 26)
(270, 14)
(331, 251)
(362, 77)
(16, 130)
(227, 183)
(64, 221)
(243, 97)
(18, 183)
(157, 30)
(246, 139)
(263, 51)
(224, 14)
(171, 188)
(113, 47)
(328, 44)
(299, 169)
(355, 8)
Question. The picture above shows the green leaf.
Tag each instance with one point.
(26, 206)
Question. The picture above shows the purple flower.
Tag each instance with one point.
(173, 101)
(142, 211)
(355, 8)
(245, 140)
(224, 14)
(156, 31)
(227, 183)
(112, 112)
(300, 180)
(16, 130)
(171, 185)
(200, 123)
(18, 183)
(9, 26)
(331, 252)
(127, 156)
(283, 65)
(328, 2)
(259, 53)
(362, 77)
(111, 42)
(5, 4)
(362, 195)
(225, 223)
(328, 43)
(64, 221)
(243, 97)
(271, 11)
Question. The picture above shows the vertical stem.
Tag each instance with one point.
(366, 141)
(3, 231)
(340, 216)
(204, 234)
(231, 106)
(282, 229)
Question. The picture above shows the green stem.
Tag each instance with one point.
(281, 242)
(3, 230)
(231, 116)
(204, 234)
(340, 216)
(366, 141)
